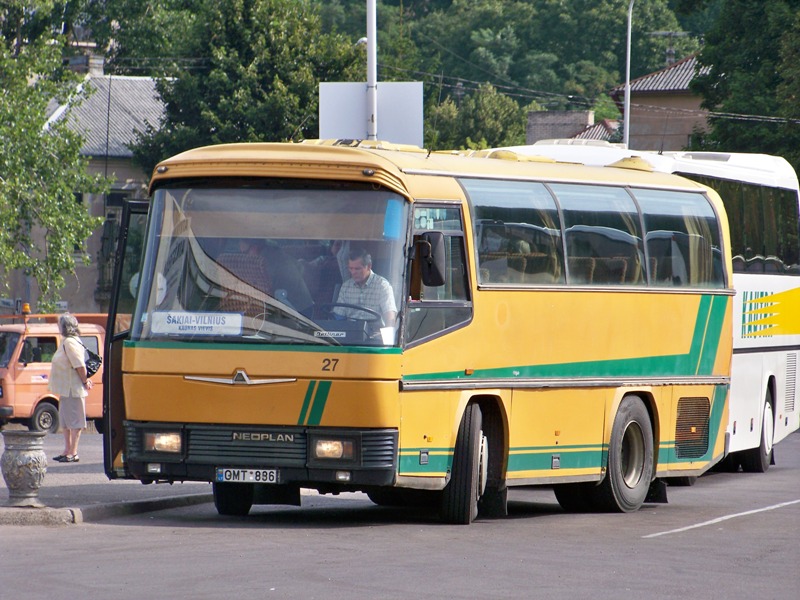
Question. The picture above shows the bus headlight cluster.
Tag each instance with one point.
(334, 449)
(163, 441)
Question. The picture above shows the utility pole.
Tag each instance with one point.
(627, 105)
(372, 71)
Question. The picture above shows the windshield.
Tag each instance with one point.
(278, 265)
(8, 343)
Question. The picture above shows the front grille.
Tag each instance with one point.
(253, 446)
(691, 428)
(287, 446)
(378, 448)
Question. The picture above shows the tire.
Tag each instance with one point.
(575, 497)
(233, 499)
(468, 476)
(757, 460)
(630, 460)
(44, 418)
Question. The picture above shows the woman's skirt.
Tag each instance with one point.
(72, 412)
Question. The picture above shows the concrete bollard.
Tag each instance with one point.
(24, 464)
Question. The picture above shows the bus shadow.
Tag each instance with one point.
(322, 513)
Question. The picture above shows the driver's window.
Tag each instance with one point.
(38, 349)
(436, 309)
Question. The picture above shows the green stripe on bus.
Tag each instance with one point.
(439, 461)
(698, 361)
(699, 335)
(318, 406)
(716, 317)
(306, 402)
(542, 460)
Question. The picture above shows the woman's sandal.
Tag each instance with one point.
(73, 458)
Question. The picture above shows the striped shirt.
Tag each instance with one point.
(376, 294)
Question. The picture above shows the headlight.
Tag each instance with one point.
(162, 441)
(336, 449)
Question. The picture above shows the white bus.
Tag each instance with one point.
(760, 193)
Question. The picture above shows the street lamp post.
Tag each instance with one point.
(627, 106)
(372, 71)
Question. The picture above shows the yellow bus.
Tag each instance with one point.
(426, 328)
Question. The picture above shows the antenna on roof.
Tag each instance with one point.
(670, 35)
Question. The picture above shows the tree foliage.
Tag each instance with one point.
(545, 53)
(751, 72)
(256, 76)
(41, 168)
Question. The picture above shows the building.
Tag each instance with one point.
(664, 112)
(119, 107)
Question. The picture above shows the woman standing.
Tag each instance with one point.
(68, 379)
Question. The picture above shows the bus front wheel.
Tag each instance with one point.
(233, 499)
(757, 460)
(630, 459)
(468, 475)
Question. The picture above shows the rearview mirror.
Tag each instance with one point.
(432, 258)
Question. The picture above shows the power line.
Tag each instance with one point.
(440, 80)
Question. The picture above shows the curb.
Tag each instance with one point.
(99, 512)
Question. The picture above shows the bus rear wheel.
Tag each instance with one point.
(233, 499)
(757, 460)
(468, 476)
(630, 460)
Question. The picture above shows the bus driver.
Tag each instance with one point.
(365, 288)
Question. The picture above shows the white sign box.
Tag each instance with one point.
(343, 111)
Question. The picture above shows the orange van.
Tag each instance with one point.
(27, 345)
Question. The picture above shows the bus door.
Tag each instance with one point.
(127, 267)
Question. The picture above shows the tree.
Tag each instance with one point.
(484, 119)
(144, 38)
(743, 87)
(257, 80)
(789, 92)
(41, 168)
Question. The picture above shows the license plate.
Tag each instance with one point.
(248, 475)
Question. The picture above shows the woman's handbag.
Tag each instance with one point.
(93, 362)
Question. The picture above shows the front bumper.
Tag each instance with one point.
(206, 447)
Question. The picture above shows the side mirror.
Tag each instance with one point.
(432, 258)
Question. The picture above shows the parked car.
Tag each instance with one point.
(27, 345)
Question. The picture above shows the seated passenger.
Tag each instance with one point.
(287, 279)
(323, 275)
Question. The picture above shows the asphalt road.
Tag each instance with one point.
(730, 536)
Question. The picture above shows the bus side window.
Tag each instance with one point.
(603, 235)
(683, 239)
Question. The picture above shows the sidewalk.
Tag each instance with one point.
(81, 492)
